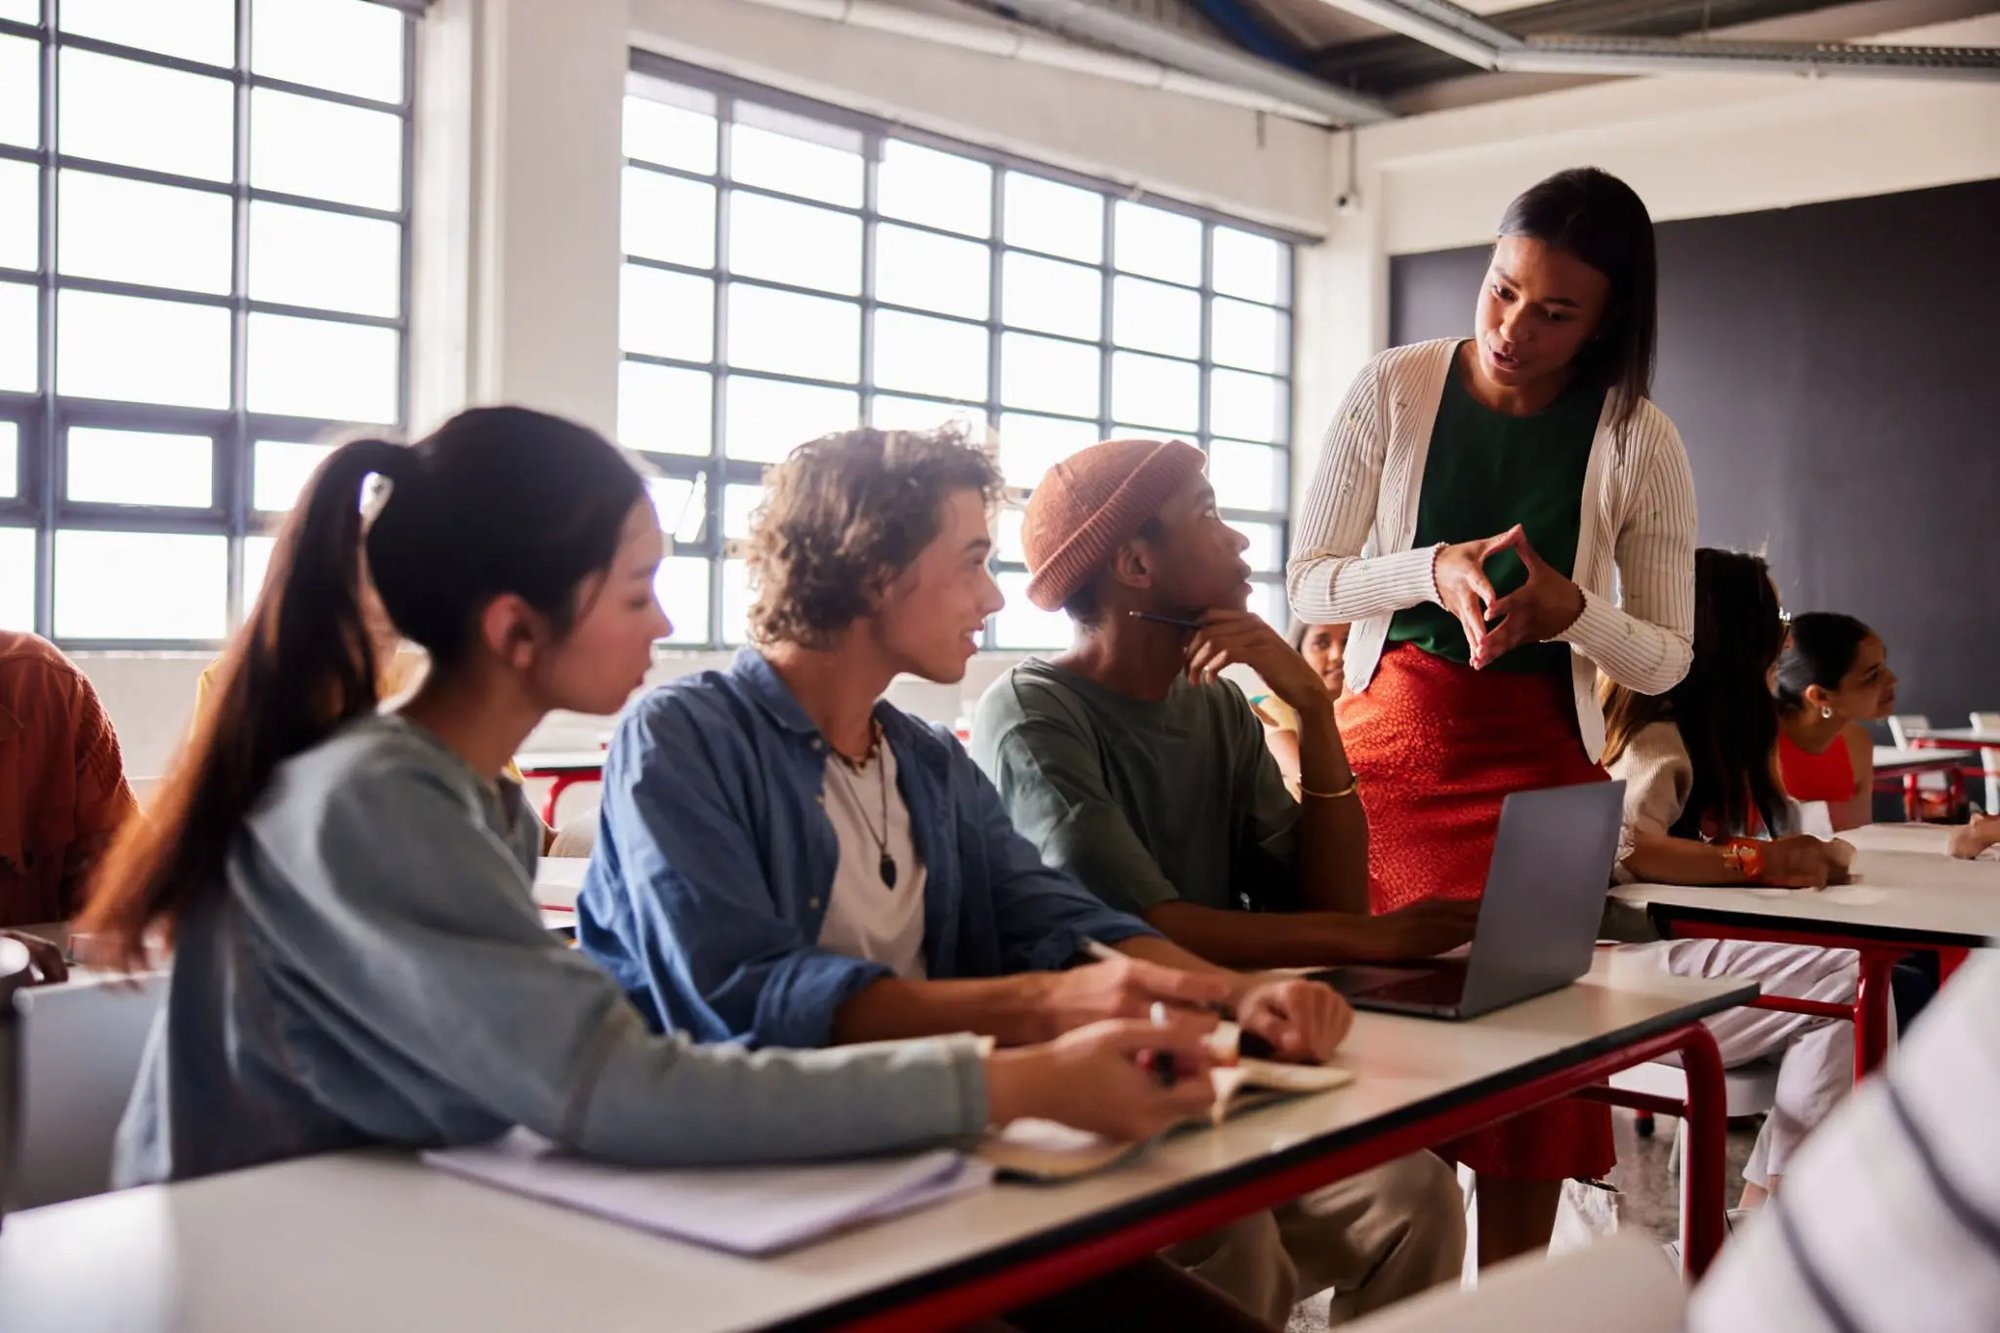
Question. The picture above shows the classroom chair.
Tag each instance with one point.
(1989, 760)
(1623, 1282)
(1748, 1089)
(15, 973)
(80, 1049)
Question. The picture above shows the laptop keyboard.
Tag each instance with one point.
(1441, 988)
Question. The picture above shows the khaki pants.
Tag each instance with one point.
(1374, 1238)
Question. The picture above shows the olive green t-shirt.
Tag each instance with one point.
(1485, 472)
(1144, 801)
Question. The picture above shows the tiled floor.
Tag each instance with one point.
(1647, 1177)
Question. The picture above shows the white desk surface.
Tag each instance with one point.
(373, 1239)
(1889, 759)
(1960, 735)
(558, 879)
(560, 761)
(1906, 887)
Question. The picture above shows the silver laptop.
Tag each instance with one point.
(1545, 892)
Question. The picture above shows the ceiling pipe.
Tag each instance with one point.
(1235, 80)
(1461, 33)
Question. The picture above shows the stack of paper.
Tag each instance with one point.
(745, 1210)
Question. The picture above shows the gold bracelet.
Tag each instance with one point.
(1353, 785)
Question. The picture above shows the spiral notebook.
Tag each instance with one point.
(748, 1210)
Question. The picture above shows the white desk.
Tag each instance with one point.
(1907, 894)
(1894, 761)
(566, 768)
(558, 879)
(375, 1240)
(1979, 736)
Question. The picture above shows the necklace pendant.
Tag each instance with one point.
(888, 868)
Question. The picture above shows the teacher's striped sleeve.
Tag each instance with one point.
(1890, 1217)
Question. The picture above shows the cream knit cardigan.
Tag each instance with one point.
(1353, 563)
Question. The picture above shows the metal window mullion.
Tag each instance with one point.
(44, 449)
(406, 261)
(1107, 273)
(232, 464)
(1205, 354)
(995, 269)
(871, 162)
(725, 107)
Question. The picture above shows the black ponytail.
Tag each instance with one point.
(496, 501)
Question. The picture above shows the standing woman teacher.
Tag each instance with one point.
(1479, 508)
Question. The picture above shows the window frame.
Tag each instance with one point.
(44, 416)
(722, 470)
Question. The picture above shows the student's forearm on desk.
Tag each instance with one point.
(1333, 830)
(1659, 859)
(1253, 940)
(1011, 1010)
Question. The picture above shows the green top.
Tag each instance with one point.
(1146, 802)
(1486, 472)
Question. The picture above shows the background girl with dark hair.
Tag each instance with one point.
(357, 954)
(1833, 677)
(1480, 505)
(1703, 806)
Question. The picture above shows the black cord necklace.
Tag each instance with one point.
(886, 866)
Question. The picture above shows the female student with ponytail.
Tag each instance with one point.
(357, 957)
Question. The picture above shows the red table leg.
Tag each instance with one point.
(562, 783)
(1949, 961)
(1871, 1010)
(1704, 1215)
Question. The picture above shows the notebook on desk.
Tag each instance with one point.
(750, 1210)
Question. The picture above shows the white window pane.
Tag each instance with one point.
(133, 231)
(330, 261)
(932, 272)
(21, 11)
(142, 350)
(736, 600)
(257, 552)
(17, 578)
(291, 369)
(814, 336)
(20, 324)
(665, 217)
(665, 409)
(666, 314)
(1007, 534)
(1048, 375)
(20, 214)
(324, 150)
(1031, 445)
(938, 189)
(336, 44)
(1247, 476)
(1022, 624)
(1266, 552)
(780, 151)
(1256, 267)
(1250, 336)
(130, 467)
(739, 508)
(1245, 407)
(141, 585)
(1061, 219)
(1052, 296)
(682, 587)
(770, 418)
(672, 136)
(280, 470)
(1154, 317)
(890, 412)
(794, 243)
(924, 355)
(1156, 392)
(20, 91)
(10, 459)
(682, 506)
(146, 116)
(203, 30)
(1157, 243)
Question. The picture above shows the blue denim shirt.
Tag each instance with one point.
(715, 864)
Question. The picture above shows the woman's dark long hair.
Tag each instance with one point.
(496, 501)
(1600, 219)
(1723, 706)
(1821, 652)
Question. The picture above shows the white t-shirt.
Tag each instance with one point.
(866, 918)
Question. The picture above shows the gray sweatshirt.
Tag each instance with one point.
(375, 971)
